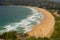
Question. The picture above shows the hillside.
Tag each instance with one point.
(39, 3)
(51, 6)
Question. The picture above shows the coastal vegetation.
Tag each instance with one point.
(13, 34)
(51, 7)
(46, 4)
(39, 3)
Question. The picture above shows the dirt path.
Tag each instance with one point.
(46, 28)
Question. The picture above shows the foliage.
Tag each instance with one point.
(9, 35)
(13, 34)
(39, 3)
(56, 34)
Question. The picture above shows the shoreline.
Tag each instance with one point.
(41, 30)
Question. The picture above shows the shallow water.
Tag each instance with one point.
(18, 18)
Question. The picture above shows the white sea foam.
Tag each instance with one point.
(27, 23)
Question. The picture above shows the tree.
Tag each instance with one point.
(9, 35)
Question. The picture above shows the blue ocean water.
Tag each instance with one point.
(18, 18)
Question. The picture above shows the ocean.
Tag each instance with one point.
(18, 18)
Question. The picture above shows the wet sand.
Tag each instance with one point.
(46, 28)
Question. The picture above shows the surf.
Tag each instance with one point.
(26, 24)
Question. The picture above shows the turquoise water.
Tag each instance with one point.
(19, 18)
(11, 14)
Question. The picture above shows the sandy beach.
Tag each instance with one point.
(46, 28)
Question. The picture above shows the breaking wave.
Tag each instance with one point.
(27, 24)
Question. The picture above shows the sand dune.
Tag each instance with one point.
(46, 28)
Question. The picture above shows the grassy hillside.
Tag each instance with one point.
(56, 34)
(13, 35)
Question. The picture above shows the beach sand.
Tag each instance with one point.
(46, 28)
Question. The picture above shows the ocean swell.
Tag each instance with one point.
(27, 24)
